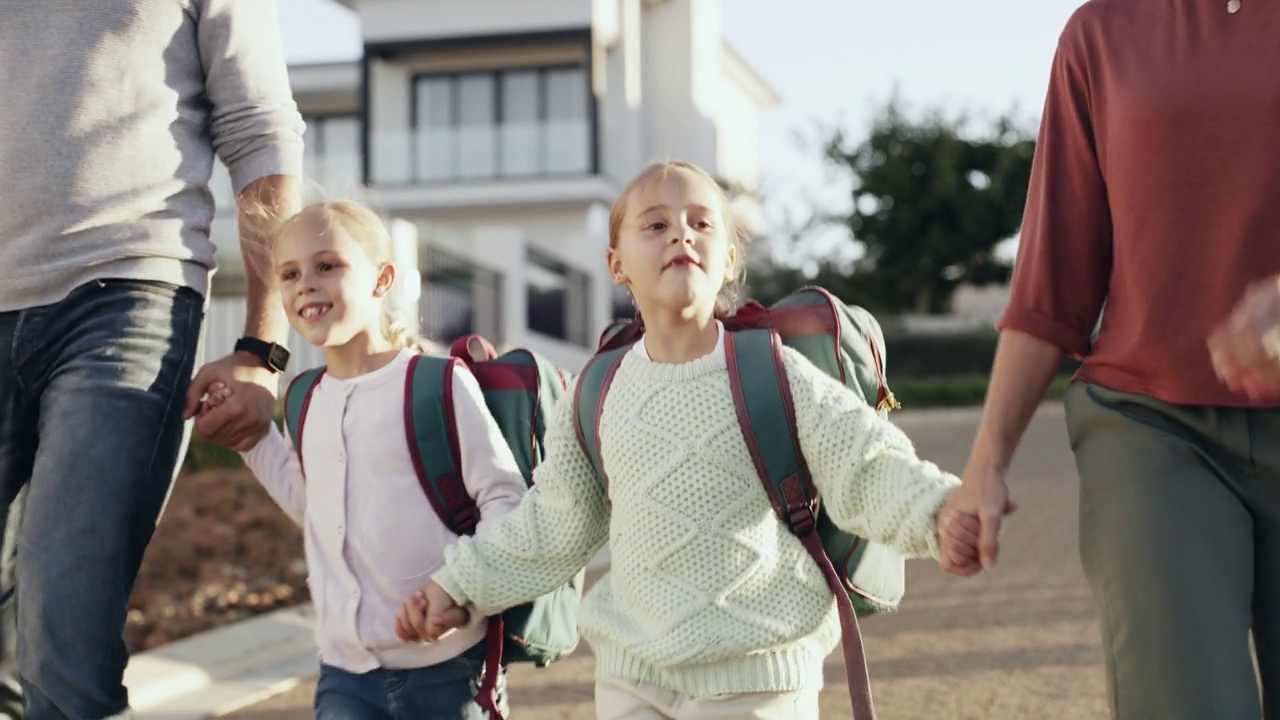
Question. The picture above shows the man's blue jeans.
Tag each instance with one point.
(92, 390)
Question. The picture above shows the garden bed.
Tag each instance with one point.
(223, 551)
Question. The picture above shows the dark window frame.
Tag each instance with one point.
(499, 174)
(458, 279)
(575, 282)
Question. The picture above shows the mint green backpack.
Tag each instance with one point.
(842, 340)
(519, 389)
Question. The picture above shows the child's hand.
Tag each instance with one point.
(413, 608)
(958, 536)
(218, 394)
(430, 615)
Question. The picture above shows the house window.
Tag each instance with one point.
(557, 299)
(434, 132)
(458, 298)
(566, 95)
(522, 128)
(508, 123)
(331, 157)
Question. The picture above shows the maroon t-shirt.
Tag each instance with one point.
(1155, 189)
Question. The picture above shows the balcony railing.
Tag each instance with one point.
(512, 152)
(458, 298)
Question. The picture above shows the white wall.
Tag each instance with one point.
(620, 93)
(682, 48)
(385, 20)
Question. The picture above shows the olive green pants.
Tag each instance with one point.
(1180, 542)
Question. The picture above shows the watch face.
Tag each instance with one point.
(278, 357)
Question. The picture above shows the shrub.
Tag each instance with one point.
(956, 391)
(921, 355)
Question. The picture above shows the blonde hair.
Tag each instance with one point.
(370, 233)
(727, 299)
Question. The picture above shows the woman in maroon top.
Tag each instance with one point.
(1156, 191)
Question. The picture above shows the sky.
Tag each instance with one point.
(834, 63)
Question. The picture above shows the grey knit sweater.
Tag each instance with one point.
(111, 112)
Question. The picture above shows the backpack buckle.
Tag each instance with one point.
(801, 520)
(887, 401)
(797, 507)
(467, 520)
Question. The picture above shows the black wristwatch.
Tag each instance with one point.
(274, 357)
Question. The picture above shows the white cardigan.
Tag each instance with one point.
(372, 537)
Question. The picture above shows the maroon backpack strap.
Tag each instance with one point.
(472, 349)
(794, 497)
(855, 659)
(297, 401)
(487, 693)
(432, 435)
(620, 333)
(588, 405)
(432, 431)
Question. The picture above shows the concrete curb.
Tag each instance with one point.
(231, 667)
(219, 671)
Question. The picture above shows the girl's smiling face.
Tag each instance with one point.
(332, 291)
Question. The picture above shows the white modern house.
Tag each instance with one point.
(496, 134)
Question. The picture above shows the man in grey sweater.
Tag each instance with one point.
(112, 114)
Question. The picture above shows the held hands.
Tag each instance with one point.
(217, 394)
(429, 615)
(958, 539)
(969, 523)
(245, 414)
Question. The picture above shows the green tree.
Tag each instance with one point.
(930, 204)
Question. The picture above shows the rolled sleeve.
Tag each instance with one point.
(1046, 328)
(255, 124)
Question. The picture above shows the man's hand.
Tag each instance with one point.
(1245, 347)
(245, 416)
(983, 495)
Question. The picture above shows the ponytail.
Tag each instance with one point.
(397, 333)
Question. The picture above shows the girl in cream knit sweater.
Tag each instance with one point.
(711, 608)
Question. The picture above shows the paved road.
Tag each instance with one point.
(1018, 642)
